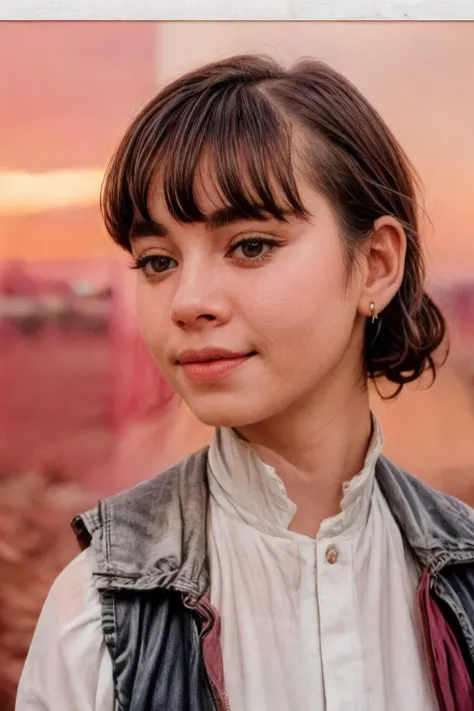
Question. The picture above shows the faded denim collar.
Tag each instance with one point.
(155, 534)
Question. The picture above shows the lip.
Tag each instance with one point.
(208, 354)
(211, 363)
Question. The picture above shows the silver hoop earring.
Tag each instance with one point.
(373, 313)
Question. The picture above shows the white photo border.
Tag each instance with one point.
(155, 10)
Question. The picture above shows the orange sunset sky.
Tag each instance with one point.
(69, 89)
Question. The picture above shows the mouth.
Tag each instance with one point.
(211, 364)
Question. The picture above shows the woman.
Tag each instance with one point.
(272, 219)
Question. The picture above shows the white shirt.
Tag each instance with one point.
(299, 633)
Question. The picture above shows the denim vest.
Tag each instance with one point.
(152, 573)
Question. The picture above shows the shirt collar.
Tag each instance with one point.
(243, 485)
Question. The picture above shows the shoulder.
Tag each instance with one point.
(152, 499)
(73, 599)
(68, 665)
(147, 534)
(429, 518)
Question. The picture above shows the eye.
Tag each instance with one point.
(254, 248)
(154, 264)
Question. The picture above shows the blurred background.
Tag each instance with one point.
(83, 411)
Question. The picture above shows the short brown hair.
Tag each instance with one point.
(242, 113)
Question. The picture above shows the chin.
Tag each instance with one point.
(222, 411)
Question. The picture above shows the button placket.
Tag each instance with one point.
(340, 648)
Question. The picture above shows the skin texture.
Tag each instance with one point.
(302, 400)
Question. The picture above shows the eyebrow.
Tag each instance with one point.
(219, 218)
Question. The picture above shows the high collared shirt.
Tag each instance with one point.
(311, 624)
(322, 624)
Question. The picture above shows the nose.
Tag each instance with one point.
(200, 300)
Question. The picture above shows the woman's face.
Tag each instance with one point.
(268, 305)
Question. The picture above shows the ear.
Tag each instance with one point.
(385, 253)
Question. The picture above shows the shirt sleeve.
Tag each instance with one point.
(68, 666)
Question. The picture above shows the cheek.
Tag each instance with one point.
(305, 302)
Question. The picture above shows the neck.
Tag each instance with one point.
(314, 450)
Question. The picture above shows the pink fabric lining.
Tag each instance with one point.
(211, 648)
(211, 644)
(449, 675)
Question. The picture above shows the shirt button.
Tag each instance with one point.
(331, 555)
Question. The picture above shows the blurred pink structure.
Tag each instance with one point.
(74, 372)
(139, 387)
